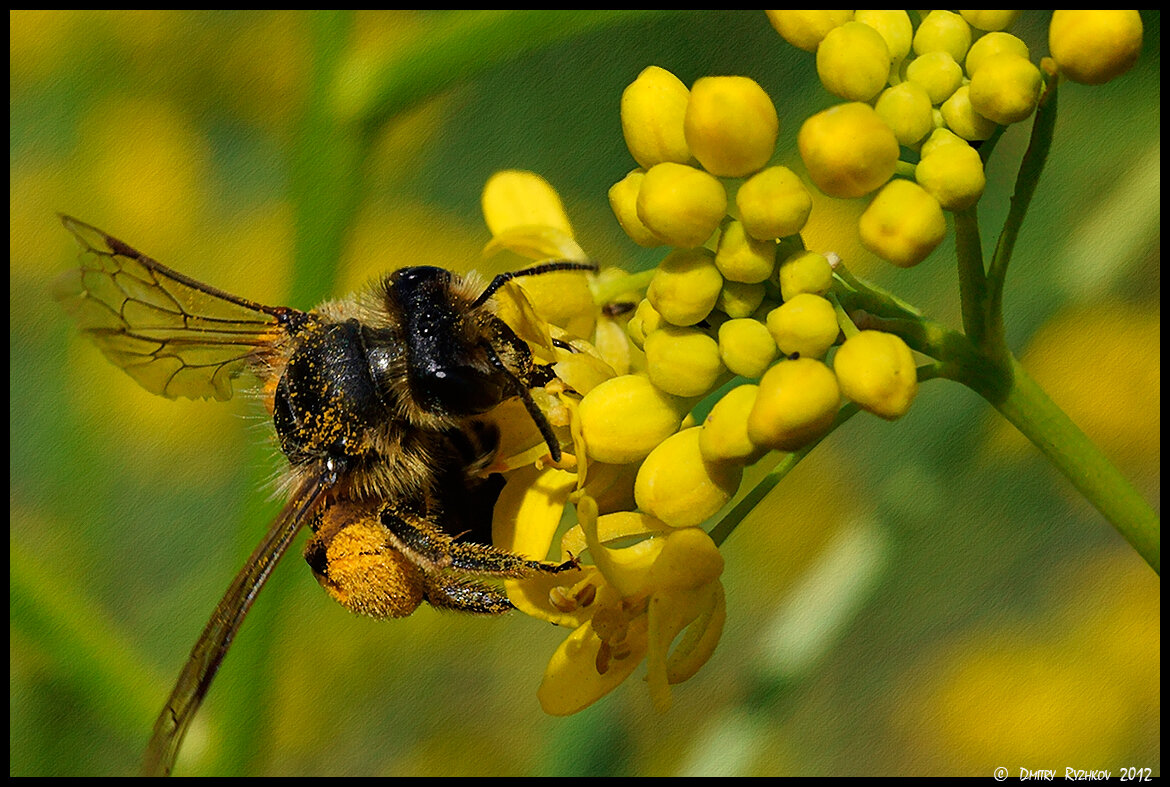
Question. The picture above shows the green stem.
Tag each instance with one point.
(609, 290)
(785, 463)
(1030, 410)
(1026, 181)
(972, 277)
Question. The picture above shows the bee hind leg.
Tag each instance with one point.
(446, 592)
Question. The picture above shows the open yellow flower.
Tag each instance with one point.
(630, 601)
(630, 605)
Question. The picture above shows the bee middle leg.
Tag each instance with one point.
(435, 550)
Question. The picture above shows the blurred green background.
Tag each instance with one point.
(921, 598)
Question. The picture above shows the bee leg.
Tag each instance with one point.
(445, 592)
(534, 411)
(434, 550)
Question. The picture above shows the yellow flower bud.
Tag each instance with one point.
(1006, 88)
(652, 111)
(746, 347)
(731, 125)
(623, 198)
(681, 204)
(903, 224)
(737, 299)
(943, 31)
(773, 203)
(876, 370)
(940, 138)
(624, 418)
(952, 174)
(646, 320)
(805, 271)
(514, 198)
(806, 29)
(679, 487)
(907, 111)
(724, 437)
(894, 27)
(682, 361)
(685, 286)
(1093, 47)
(689, 559)
(744, 259)
(853, 62)
(962, 118)
(807, 324)
(991, 45)
(849, 151)
(990, 20)
(797, 403)
(937, 73)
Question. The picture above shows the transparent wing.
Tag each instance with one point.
(213, 643)
(173, 335)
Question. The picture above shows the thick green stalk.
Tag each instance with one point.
(1030, 410)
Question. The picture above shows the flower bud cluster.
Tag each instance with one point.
(738, 296)
(954, 78)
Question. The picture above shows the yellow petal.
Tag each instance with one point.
(571, 681)
(536, 242)
(529, 510)
(689, 560)
(627, 569)
(515, 198)
(700, 638)
(532, 595)
(669, 612)
(611, 527)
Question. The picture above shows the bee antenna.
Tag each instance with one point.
(536, 270)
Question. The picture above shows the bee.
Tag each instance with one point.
(377, 403)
